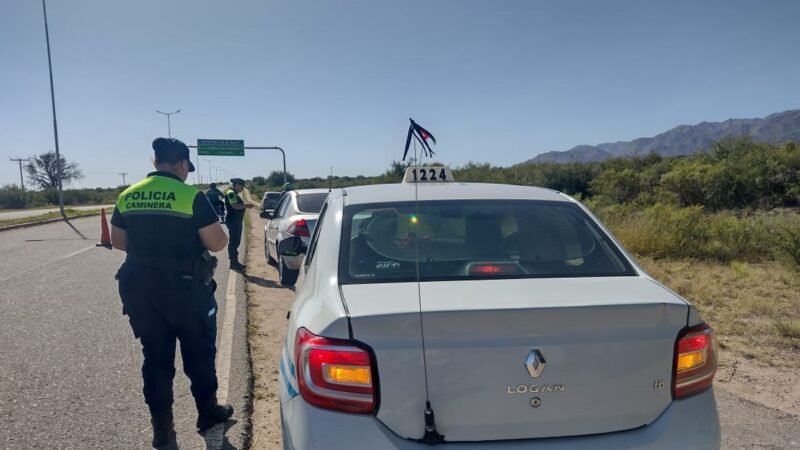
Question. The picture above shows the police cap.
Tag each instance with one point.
(171, 150)
(238, 181)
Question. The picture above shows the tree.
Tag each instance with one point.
(275, 178)
(43, 171)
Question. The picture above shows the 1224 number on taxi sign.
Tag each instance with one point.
(435, 174)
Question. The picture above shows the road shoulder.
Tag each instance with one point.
(268, 304)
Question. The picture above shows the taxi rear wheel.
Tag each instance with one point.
(287, 275)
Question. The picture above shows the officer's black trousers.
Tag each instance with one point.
(234, 238)
(163, 308)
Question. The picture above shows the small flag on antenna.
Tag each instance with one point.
(422, 136)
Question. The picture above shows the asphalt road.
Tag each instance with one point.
(70, 375)
(38, 212)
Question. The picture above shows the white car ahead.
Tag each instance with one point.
(485, 317)
(295, 215)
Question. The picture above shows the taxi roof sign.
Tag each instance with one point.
(432, 174)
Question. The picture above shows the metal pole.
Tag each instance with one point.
(208, 162)
(55, 123)
(169, 124)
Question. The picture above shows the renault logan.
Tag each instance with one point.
(485, 317)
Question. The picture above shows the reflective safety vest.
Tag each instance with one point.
(233, 198)
(161, 216)
(158, 194)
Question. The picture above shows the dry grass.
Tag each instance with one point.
(267, 306)
(755, 308)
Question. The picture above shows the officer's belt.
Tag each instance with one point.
(166, 264)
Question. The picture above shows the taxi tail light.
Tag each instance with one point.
(335, 374)
(299, 228)
(695, 361)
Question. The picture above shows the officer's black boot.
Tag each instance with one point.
(163, 428)
(210, 413)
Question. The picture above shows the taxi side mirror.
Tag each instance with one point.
(266, 214)
(292, 246)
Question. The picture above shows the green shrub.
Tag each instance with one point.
(667, 231)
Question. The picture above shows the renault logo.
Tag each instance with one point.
(535, 363)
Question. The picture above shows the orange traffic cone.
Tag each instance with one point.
(105, 236)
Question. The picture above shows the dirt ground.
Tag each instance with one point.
(745, 303)
(760, 395)
(268, 304)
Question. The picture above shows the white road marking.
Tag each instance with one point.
(76, 253)
(214, 438)
(226, 340)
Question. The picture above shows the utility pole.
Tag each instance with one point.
(124, 183)
(169, 126)
(21, 180)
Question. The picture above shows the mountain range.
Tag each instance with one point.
(685, 139)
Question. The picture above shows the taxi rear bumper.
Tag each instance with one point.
(687, 423)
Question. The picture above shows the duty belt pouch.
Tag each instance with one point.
(204, 268)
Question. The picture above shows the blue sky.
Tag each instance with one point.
(334, 82)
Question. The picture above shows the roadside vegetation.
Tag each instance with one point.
(71, 214)
(42, 174)
(738, 201)
(13, 197)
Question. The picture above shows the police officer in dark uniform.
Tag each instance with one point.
(234, 215)
(214, 196)
(166, 284)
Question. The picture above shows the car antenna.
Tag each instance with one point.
(431, 436)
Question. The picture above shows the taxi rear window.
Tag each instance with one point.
(311, 203)
(451, 240)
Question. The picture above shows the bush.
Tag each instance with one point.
(13, 197)
(789, 243)
(668, 231)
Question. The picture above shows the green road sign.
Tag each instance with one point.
(220, 147)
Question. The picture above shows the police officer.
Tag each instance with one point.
(166, 284)
(234, 215)
(214, 196)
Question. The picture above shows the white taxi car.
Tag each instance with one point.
(485, 316)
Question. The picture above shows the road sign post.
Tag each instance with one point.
(230, 147)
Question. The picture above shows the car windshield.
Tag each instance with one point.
(475, 239)
(311, 203)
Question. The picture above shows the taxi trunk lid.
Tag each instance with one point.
(606, 345)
